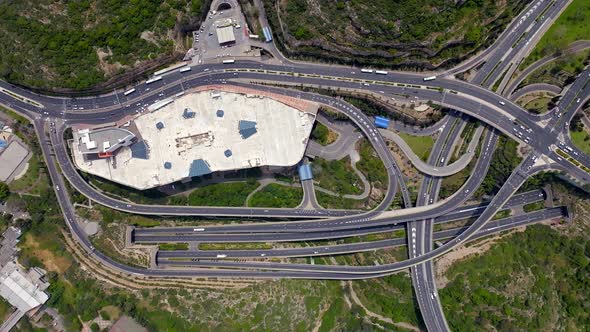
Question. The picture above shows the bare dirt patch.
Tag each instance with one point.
(48, 258)
(332, 136)
(113, 312)
(106, 67)
(149, 36)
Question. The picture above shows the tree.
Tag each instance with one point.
(4, 191)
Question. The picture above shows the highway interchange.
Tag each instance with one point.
(543, 135)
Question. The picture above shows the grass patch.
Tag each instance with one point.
(502, 214)
(222, 194)
(371, 165)
(323, 135)
(534, 206)
(330, 316)
(571, 25)
(581, 140)
(235, 246)
(337, 176)
(332, 202)
(538, 105)
(173, 246)
(277, 196)
(421, 145)
(19, 118)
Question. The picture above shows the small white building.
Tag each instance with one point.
(226, 35)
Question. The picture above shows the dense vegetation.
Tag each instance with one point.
(421, 145)
(535, 280)
(222, 194)
(371, 165)
(323, 134)
(78, 44)
(337, 176)
(4, 191)
(173, 246)
(579, 134)
(334, 202)
(504, 161)
(392, 296)
(277, 196)
(387, 32)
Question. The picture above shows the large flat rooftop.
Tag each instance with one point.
(216, 129)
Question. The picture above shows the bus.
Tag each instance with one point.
(228, 61)
(366, 70)
(165, 70)
(429, 78)
(128, 92)
(381, 72)
(198, 230)
(184, 69)
(153, 79)
(267, 34)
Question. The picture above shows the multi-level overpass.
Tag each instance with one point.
(544, 136)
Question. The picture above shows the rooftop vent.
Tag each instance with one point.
(247, 128)
(188, 113)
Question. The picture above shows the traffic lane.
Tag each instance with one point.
(496, 226)
(425, 93)
(465, 212)
(529, 26)
(485, 112)
(421, 238)
(392, 77)
(164, 235)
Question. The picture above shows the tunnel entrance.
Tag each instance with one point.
(223, 6)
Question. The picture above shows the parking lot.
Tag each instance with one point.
(206, 42)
